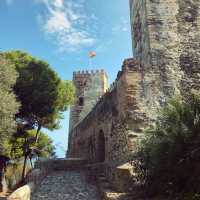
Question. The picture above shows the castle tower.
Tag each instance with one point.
(165, 37)
(89, 87)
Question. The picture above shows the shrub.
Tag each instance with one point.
(168, 157)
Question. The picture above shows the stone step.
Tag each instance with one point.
(103, 183)
(68, 164)
(108, 193)
(3, 196)
(66, 185)
(101, 175)
(102, 178)
(63, 164)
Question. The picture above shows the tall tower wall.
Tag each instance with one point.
(166, 40)
(89, 87)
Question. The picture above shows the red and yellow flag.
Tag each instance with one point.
(92, 54)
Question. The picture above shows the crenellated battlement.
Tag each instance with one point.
(118, 106)
(90, 84)
(89, 73)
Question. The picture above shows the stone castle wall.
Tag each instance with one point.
(166, 46)
(166, 41)
(109, 130)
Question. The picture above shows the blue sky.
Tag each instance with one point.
(62, 32)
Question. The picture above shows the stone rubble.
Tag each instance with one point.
(65, 185)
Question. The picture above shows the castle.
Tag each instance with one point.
(105, 124)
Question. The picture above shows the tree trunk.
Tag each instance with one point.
(3, 184)
(24, 167)
(1, 180)
(38, 133)
(26, 146)
(31, 162)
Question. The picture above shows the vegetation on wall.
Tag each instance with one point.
(168, 157)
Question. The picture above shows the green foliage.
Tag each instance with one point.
(41, 92)
(168, 156)
(43, 96)
(8, 104)
(43, 148)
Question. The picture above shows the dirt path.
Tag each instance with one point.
(65, 185)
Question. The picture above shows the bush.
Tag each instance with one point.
(168, 157)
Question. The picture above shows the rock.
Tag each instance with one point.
(23, 193)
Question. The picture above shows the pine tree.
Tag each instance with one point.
(8, 104)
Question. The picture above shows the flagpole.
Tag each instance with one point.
(90, 62)
(91, 55)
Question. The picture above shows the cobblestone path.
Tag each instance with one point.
(65, 185)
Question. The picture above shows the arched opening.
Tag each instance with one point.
(81, 101)
(101, 147)
(91, 150)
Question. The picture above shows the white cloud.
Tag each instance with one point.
(57, 22)
(9, 2)
(58, 3)
(67, 23)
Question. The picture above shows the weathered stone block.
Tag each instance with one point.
(123, 178)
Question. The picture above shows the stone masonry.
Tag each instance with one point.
(89, 87)
(106, 133)
(109, 132)
(66, 185)
(166, 47)
(105, 124)
(166, 41)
